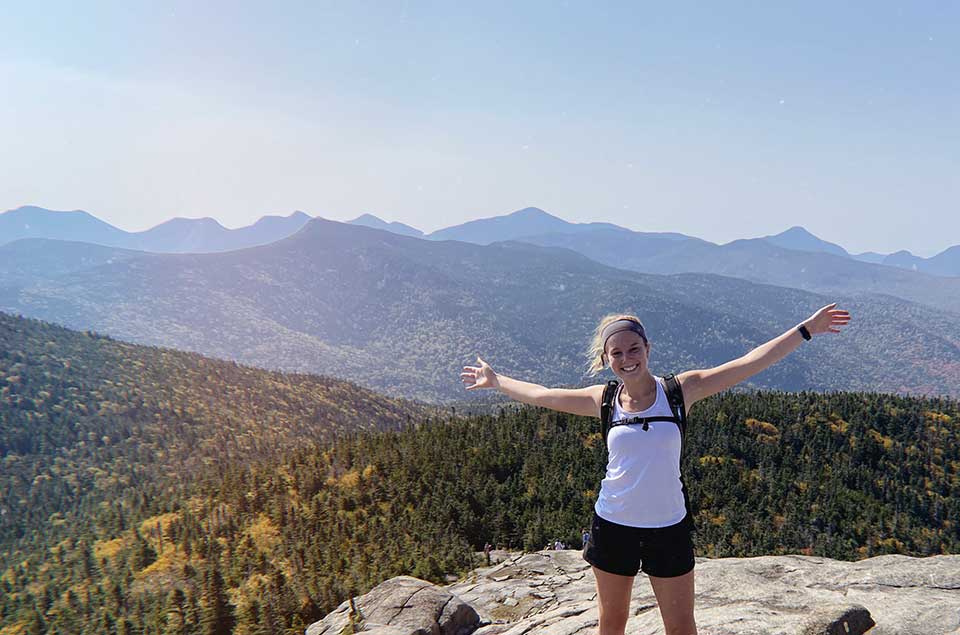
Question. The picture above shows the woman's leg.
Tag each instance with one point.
(675, 599)
(613, 593)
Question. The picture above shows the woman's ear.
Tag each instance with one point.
(603, 358)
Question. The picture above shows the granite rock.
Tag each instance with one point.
(554, 593)
(401, 606)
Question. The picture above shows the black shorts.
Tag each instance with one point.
(663, 552)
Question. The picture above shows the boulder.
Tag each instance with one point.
(838, 620)
(401, 606)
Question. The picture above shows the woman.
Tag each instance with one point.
(644, 523)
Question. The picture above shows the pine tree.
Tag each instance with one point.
(216, 614)
(174, 621)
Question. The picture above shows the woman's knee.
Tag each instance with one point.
(613, 622)
(682, 628)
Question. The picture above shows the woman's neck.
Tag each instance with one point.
(641, 393)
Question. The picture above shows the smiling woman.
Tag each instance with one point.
(642, 519)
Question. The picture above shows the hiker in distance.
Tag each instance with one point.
(641, 518)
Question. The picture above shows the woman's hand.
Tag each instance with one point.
(579, 401)
(827, 319)
(481, 376)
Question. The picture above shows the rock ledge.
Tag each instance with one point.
(553, 593)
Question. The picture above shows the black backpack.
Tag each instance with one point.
(674, 398)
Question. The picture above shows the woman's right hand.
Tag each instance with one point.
(481, 376)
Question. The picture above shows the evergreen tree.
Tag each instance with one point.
(216, 615)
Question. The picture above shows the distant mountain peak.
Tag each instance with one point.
(33, 209)
(523, 222)
(369, 220)
(37, 208)
(180, 220)
(800, 239)
(533, 212)
(796, 230)
(270, 218)
(30, 221)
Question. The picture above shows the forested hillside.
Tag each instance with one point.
(268, 538)
(96, 433)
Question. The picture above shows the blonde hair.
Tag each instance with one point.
(595, 352)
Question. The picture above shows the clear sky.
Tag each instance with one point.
(718, 120)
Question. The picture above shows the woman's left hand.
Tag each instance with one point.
(827, 320)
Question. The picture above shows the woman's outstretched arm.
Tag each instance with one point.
(700, 384)
(578, 401)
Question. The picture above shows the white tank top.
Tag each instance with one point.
(642, 485)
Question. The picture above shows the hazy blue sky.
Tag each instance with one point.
(718, 120)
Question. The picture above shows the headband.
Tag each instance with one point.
(621, 325)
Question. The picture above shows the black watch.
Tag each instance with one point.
(804, 332)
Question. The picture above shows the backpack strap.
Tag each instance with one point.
(675, 398)
(606, 406)
(644, 421)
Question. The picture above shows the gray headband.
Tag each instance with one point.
(617, 327)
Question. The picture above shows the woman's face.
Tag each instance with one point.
(627, 354)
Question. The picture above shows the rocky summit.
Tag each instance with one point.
(553, 593)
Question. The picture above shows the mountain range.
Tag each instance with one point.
(757, 260)
(534, 225)
(178, 235)
(403, 314)
(181, 235)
